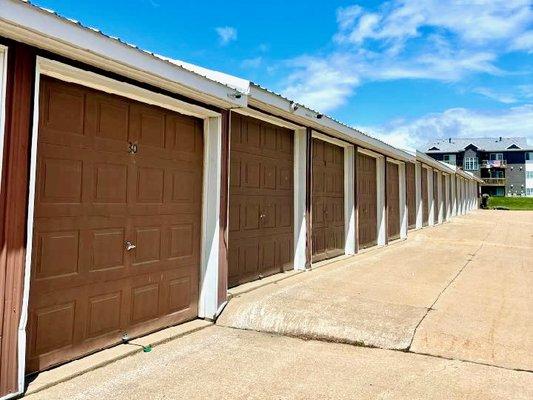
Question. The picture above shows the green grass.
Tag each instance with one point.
(512, 203)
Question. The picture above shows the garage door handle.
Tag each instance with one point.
(129, 246)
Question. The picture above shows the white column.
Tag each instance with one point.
(349, 204)
(418, 194)
(403, 202)
(209, 272)
(300, 189)
(380, 177)
(431, 202)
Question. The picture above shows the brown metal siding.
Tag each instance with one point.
(367, 200)
(393, 201)
(20, 77)
(261, 203)
(328, 200)
(411, 194)
(425, 196)
(92, 196)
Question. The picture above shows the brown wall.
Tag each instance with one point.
(13, 200)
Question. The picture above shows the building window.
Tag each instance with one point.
(471, 164)
(529, 156)
(496, 156)
(529, 174)
(529, 192)
(449, 158)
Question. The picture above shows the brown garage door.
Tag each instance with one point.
(443, 191)
(92, 197)
(425, 196)
(393, 201)
(411, 194)
(367, 200)
(328, 200)
(261, 200)
(435, 197)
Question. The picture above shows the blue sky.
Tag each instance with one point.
(406, 71)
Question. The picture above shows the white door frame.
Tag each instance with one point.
(209, 270)
(349, 197)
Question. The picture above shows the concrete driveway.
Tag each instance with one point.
(461, 290)
(223, 363)
(456, 299)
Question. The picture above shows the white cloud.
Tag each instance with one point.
(251, 63)
(456, 122)
(410, 39)
(514, 95)
(505, 98)
(226, 34)
(321, 83)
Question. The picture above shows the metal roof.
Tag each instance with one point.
(456, 145)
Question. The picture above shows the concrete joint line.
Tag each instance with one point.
(432, 306)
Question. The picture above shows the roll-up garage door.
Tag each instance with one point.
(393, 201)
(328, 200)
(425, 196)
(367, 200)
(435, 197)
(444, 200)
(117, 223)
(411, 194)
(261, 200)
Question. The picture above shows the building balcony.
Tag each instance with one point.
(494, 181)
(494, 164)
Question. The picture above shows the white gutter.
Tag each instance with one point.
(29, 24)
(443, 167)
(282, 107)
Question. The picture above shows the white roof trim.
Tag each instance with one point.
(30, 24)
(276, 104)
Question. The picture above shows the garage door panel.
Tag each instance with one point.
(183, 136)
(107, 122)
(261, 198)
(90, 201)
(393, 201)
(435, 197)
(367, 200)
(328, 200)
(107, 250)
(104, 314)
(410, 194)
(425, 197)
(62, 115)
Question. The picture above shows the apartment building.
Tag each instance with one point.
(505, 164)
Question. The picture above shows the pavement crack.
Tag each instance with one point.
(432, 306)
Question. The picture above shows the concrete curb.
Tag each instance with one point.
(73, 369)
